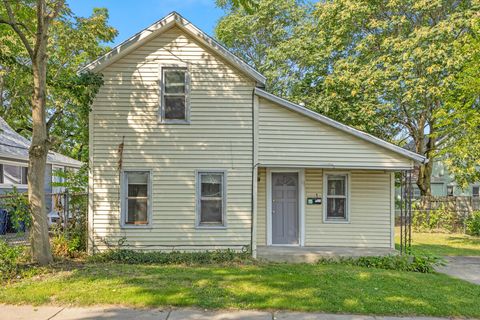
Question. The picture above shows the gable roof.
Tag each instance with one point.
(172, 19)
(340, 126)
(15, 146)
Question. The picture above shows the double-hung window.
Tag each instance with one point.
(211, 199)
(174, 103)
(137, 194)
(336, 205)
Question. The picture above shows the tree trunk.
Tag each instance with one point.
(40, 242)
(425, 170)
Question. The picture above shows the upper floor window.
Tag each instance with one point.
(174, 103)
(13, 174)
(336, 197)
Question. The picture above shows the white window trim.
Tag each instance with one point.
(301, 205)
(162, 69)
(348, 196)
(198, 189)
(124, 206)
(12, 185)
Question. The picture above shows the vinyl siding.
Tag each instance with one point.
(218, 137)
(370, 211)
(287, 138)
(262, 207)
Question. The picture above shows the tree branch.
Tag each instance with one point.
(14, 24)
(56, 9)
(53, 118)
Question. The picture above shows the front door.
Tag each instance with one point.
(285, 208)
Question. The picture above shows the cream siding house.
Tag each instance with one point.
(188, 152)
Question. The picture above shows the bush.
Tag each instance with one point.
(174, 257)
(67, 246)
(10, 257)
(412, 263)
(473, 224)
(440, 219)
(18, 209)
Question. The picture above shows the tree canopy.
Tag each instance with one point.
(391, 68)
(74, 41)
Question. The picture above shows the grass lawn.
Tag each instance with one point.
(327, 288)
(443, 244)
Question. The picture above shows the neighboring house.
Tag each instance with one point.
(14, 163)
(188, 152)
(443, 183)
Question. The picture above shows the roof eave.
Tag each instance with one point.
(360, 134)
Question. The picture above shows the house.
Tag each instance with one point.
(189, 152)
(443, 182)
(14, 164)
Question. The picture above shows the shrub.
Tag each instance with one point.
(67, 246)
(173, 257)
(9, 260)
(412, 262)
(18, 208)
(442, 218)
(473, 224)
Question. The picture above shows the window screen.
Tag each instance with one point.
(137, 197)
(211, 198)
(174, 101)
(13, 174)
(336, 196)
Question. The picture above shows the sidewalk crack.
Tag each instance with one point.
(168, 314)
(56, 313)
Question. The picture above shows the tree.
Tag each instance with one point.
(258, 37)
(384, 67)
(74, 41)
(38, 37)
(461, 149)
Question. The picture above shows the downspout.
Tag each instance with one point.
(253, 224)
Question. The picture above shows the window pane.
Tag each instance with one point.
(137, 211)
(476, 191)
(174, 81)
(137, 177)
(24, 175)
(336, 208)
(137, 190)
(211, 185)
(12, 174)
(174, 107)
(211, 211)
(336, 185)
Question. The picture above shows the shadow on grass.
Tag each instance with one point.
(326, 288)
(465, 240)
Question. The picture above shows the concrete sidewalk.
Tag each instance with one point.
(8, 312)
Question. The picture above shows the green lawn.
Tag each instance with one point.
(443, 244)
(327, 288)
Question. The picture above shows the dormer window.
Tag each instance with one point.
(174, 90)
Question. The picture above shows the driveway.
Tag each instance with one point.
(466, 268)
(8, 312)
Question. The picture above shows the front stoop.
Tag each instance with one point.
(313, 254)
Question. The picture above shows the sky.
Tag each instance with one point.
(132, 16)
